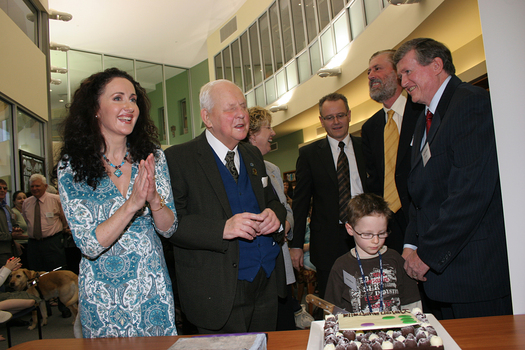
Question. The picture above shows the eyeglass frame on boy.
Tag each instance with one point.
(362, 235)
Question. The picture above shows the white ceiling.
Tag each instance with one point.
(161, 31)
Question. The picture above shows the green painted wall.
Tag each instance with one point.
(286, 156)
(177, 90)
(200, 75)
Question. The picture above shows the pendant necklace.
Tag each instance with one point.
(117, 172)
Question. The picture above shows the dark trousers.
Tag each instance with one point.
(397, 226)
(254, 308)
(496, 307)
(46, 254)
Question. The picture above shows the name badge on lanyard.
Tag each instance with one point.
(425, 154)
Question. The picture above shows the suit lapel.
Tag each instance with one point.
(442, 107)
(325, 155)
(410, 116)
(206, 160)
(437, 120)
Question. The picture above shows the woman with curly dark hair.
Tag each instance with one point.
(116, 194)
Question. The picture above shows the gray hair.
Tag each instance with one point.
(426, 50)
(389, 54)
(205, 97)
(38, 177)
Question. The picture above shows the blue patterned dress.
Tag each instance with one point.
(124, 290)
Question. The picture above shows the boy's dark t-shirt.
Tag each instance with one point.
(398, 288)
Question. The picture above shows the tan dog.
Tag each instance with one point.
(62, 284)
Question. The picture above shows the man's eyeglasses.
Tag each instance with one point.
(367, 235)
(339, 116)
(3, 188)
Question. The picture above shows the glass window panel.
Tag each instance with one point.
(81, 66)
(270, 91)
(259, 96)
(218, 66)
(287, 30)
(226, 59)
(24, 16)
(177, 111)
(247, 69)
(357, 20)
(150, 77)
(304, 67)
(265, 45)
(291, 75)
(237, 65)
(315, 57)
(6, 148)
(256, 58)
(298, 25)
(59, 93)
(372, 10)
(337, 6)
(30, 134)
(342, 36)
(121, 63)
(327, 45)
(281, 83)
(311, 26)
(276, 37)
(250, 99)
(324, 16)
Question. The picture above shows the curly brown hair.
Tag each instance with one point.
(84, 143)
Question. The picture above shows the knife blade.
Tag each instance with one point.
(325, 305)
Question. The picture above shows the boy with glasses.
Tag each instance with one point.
(371, 277)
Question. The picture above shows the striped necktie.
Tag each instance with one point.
(343, 180)
(391, 135)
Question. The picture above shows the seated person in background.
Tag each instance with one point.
(13, 302)
(21, 242)
(8, 226)
(371, 277)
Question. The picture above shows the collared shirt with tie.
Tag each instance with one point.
(51, 215)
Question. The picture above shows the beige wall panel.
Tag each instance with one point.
(23, 73)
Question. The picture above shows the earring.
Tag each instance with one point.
(96, 116)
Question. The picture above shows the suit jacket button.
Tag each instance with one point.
(234, 265)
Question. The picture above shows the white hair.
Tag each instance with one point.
(37, 177)
(205, 97)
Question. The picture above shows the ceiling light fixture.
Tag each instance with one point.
(403, 2)
(329, 72)
(60, 70)
(278, 108)
(58, 47)
(61, 16)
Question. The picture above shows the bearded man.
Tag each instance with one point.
(387, 145)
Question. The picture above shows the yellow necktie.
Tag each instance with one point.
(391, 136)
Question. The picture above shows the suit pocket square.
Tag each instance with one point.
(264, 181)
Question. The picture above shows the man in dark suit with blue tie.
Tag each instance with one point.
(455, 240)
(228, 259)
(385, 88)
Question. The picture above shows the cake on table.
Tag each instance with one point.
(381, 330)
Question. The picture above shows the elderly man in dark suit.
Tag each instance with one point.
(386, 143)
(228, 258)
(456, 230)
(328, 172)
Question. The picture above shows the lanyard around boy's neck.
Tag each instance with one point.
(364, 282)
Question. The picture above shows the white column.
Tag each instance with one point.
(503, 29)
